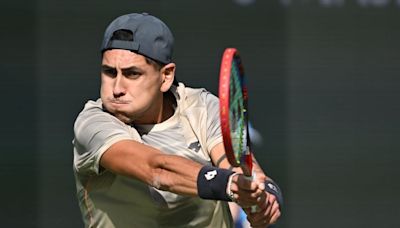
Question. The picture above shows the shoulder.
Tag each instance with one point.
(194, 97)
(95, 109)
(90, 110)
(92, 106)
(94, 115)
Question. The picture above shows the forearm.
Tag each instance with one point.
(176, 174)
(166, 172)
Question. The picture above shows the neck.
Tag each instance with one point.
(167, 108)
(162, 110)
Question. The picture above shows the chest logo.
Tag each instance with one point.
(195, 146)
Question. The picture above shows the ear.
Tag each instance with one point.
(168, 75)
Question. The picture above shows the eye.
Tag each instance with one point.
(110, 72)
(133, 74)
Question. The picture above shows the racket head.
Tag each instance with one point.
(233, 111)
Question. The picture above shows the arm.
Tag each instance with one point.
(165, 172)
(103, 142)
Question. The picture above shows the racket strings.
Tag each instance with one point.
(237, 114)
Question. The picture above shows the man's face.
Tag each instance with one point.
(131, 88)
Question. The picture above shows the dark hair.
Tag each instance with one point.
(127, 35)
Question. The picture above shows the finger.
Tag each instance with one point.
(275, 213)
(243, 204)
(246, 198)
(258, 222)
(275, 207)
(240, 184)
(261, 217)
(258, 197)
(267, 206)
(268, 215)
(272, 198)
(246, 183)
(275, 216)
(246, 204)
(261, 185)
(263, 201)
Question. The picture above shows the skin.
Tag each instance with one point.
(132, 89)
(136, 92)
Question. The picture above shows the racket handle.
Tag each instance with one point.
(254, 208)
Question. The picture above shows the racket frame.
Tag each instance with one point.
(245, 161)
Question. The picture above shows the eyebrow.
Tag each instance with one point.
(104, 66)
(124, 70)
(130, 69)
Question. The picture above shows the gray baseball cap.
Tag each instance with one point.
(151, 36)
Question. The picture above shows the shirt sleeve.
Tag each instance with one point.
(94, 132)
(214, 135)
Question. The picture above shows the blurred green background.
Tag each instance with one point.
(324, 88)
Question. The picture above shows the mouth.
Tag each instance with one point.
(118, 101)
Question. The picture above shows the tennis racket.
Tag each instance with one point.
(234, 113)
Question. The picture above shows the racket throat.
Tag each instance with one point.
(247, 163)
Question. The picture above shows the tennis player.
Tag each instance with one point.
(149, 151)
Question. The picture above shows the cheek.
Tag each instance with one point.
(139, 96)
(142, 96)
(103, 92)
(105, 87)
(144, 89)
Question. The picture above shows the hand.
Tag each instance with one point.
(267, 214)
(246, 192)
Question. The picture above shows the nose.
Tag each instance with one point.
(119, 87)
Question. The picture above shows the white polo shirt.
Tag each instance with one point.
(109, 200)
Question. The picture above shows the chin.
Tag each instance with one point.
(121, 115)
(123, 118)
